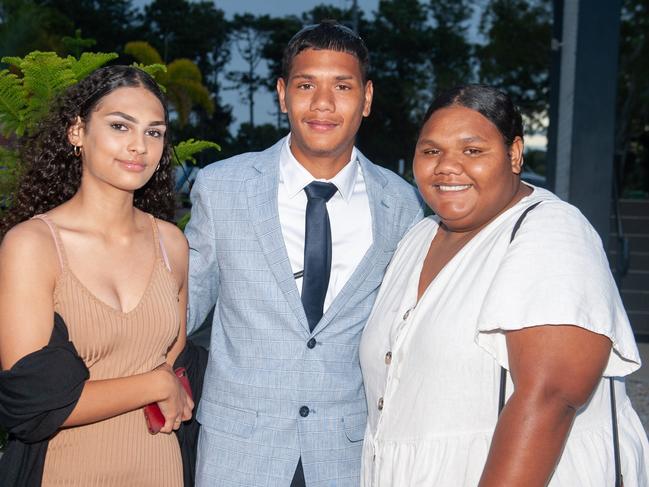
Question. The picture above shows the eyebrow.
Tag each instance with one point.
(342, 77)
(134, 120)
(425, 141)
(472, 138)
(465, 140)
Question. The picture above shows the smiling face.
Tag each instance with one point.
(122, 142)
(325, 99)
(464, 170)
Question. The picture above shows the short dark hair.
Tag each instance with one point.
(327, 35)
(493, 104)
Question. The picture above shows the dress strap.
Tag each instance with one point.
(60, 250)
(160, 248)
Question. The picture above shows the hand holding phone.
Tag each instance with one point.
(155, 420)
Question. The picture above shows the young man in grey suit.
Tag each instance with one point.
(289, 246)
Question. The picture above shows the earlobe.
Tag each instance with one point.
(281, 94)
(74, 133)
(516, 155)
(369, 94)
(518, 168)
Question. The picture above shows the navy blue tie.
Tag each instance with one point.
(317, 250)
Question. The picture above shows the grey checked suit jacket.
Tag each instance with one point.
(261, 375)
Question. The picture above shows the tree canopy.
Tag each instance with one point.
(417, 48)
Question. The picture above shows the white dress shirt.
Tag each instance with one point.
(349, 216)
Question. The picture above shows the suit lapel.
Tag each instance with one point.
(381, 209)
(264, 216)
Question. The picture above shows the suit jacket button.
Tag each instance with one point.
(311, 343)
(380, 404)
(304, 411)
(388, 358)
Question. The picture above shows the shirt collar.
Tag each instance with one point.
(295, 177)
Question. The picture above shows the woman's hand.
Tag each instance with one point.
(176, 405)
(555, 369)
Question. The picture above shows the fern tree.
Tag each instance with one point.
(25, 98)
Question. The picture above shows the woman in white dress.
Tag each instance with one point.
(463, 298)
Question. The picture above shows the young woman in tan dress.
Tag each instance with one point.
(85, 240)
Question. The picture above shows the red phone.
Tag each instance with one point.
(155, 420)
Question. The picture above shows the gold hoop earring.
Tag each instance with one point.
(157, 167)
(76, 150)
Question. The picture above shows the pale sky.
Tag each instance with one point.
(264, 101)
(280, 7)
(287, 7)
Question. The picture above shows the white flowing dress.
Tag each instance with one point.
(432, 371)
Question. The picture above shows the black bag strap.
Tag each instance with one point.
(519, 222)
(503, 370)
(619, 481)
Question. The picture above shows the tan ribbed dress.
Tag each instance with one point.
(116, 452)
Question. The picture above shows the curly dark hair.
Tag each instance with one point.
(52, 173)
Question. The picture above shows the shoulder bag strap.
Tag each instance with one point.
(503, 370)
(619, 482)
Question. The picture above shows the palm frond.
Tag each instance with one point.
(197, 93)
(44, 76)
(185, 150)
(184, 69)
(88, 62)
(143, 52)
(157, 71)
(12, 60)
(9, 167)
(12, 102)
(181, 102)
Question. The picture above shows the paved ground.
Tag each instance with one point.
(637, 386)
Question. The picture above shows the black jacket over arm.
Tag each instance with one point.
(40, 391)
(194, 359)
(36, 396)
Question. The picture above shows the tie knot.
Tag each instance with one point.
(320, 190)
